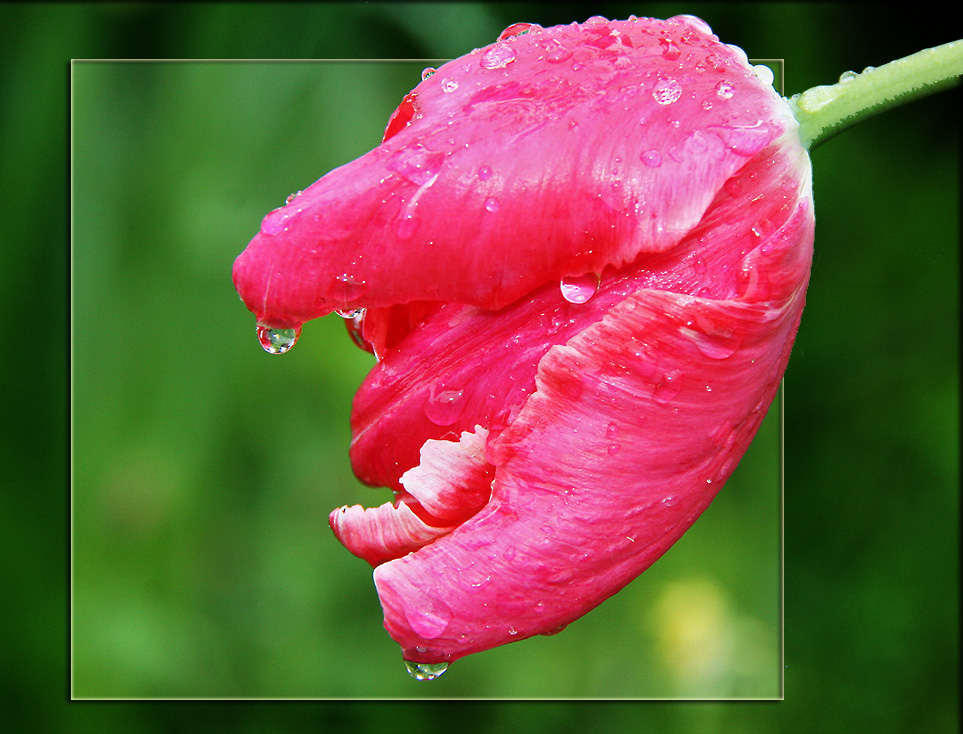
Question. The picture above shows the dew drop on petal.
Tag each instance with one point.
(580, 288)
(277, 341)
(427, 72)
(668, 387)
(696, 24)
(497, 57)
(651, 158)
(425, 671)
(725, 89)
(847, 76)
(348, 288)
(667, 91)
(518, 29)
(763, 73)
(444, 405)
(273, 222)
(449, 85)
(484, 173)
(406, 226)
(670, 51)
(491, 204)
(555, 52)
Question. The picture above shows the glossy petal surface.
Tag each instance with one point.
(582, 252)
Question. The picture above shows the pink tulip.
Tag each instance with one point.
(583, 253)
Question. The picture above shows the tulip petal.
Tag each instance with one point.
(616, 152)
(547, 440)
(630, 434)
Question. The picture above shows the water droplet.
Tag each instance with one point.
(512, 631)
(349, 313)
(406, 226)
(667, 91)
(449, 85)
(292, 197)
(425, 671)
(580, 288)
(669, 501)
(612, 430)
(739, 53)
(555, 52)
(696, 24)
(746, 141)
(725, 89)
(614, 448)
(417, 164)
(348, 288)
(277, 341)
(707, 104)
(651, 158)
(763, 73)
(668, 387)
(733, 187)
(427, 72)
(518, 29)
(670, 51)
(484, 173)
(596, 19)
(491, 204)
(444, 405)
(497, 57)
(274, 221)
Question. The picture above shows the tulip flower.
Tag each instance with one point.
(580, 256)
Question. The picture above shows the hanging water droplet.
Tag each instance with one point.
(277, 341)
(425, 671)
(497, 57)
(350, 313)
(667, 91)
(580, 288)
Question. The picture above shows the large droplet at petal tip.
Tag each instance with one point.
(425, 671)
(277, 341)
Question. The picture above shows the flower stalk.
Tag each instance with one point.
(829, 109)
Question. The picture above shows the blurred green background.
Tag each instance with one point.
(192, 516)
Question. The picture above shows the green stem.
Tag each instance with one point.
(827, 110)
